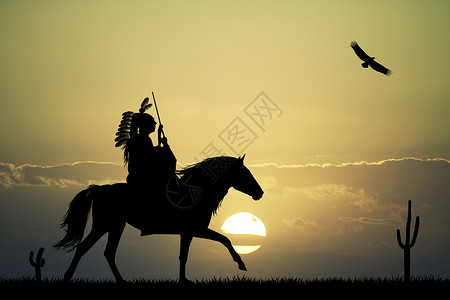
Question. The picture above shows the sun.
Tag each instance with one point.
(244, 223)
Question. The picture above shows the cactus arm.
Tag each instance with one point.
(416, 231)
(39, 259)
(406, 247)
(409, 211)
(38, 263)
(30, 258)
(399, 240)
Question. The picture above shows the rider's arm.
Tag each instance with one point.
(162, 140)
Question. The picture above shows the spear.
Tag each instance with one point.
(157, 113)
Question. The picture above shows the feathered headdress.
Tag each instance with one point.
(123, 132)
(145, 105)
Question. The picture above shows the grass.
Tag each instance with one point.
(320, 285)
(229, 288)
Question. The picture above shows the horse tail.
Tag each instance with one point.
(75, 219)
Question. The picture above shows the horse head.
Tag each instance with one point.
(243, 180)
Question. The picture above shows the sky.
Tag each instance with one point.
(338, 149)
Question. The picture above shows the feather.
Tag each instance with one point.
(145, 105)
(123, 128)
(122, 134)
(126, 119)
(125, 124)
(148, 106)
(121, 137)
(145, 102)
(123, 131)
(120, 143)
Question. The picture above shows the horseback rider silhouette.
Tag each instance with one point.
(149, 166)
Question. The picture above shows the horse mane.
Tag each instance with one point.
(228, 160)
(211, 171)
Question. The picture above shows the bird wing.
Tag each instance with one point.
(360, 52)
(380, 68)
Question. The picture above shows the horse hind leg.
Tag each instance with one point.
(81, 250)
(111, 249)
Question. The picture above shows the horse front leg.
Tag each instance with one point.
(185, 242)
(215, 236)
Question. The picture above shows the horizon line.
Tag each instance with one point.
(255, 165)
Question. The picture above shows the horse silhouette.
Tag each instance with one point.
(186, 211)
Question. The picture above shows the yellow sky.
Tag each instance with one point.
(69, 69)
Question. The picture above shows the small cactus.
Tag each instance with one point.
(40, 262)
(408, 244)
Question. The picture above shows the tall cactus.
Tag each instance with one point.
(40, 262)
(408, 244)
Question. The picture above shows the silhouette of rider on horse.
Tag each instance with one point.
(149, 166)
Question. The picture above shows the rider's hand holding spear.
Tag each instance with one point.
(161, 136)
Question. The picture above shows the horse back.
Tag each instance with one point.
(146, 210)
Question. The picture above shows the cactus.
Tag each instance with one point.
(408, 244)
(40, 262)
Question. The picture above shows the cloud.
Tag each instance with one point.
(350, 195)
(361, 203)
(63, 175)
(90, 172)
(364, 184)
(372, 221)
(347, 164)
(301, 223)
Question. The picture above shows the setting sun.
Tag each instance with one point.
(245, 223)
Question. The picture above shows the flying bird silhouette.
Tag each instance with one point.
(369, 61)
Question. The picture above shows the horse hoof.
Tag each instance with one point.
(123, 282)
(241, 266)
(185, 281)
(67, 278)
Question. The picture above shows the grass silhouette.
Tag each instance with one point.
(323, 286)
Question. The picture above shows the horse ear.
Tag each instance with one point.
(241, 159)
